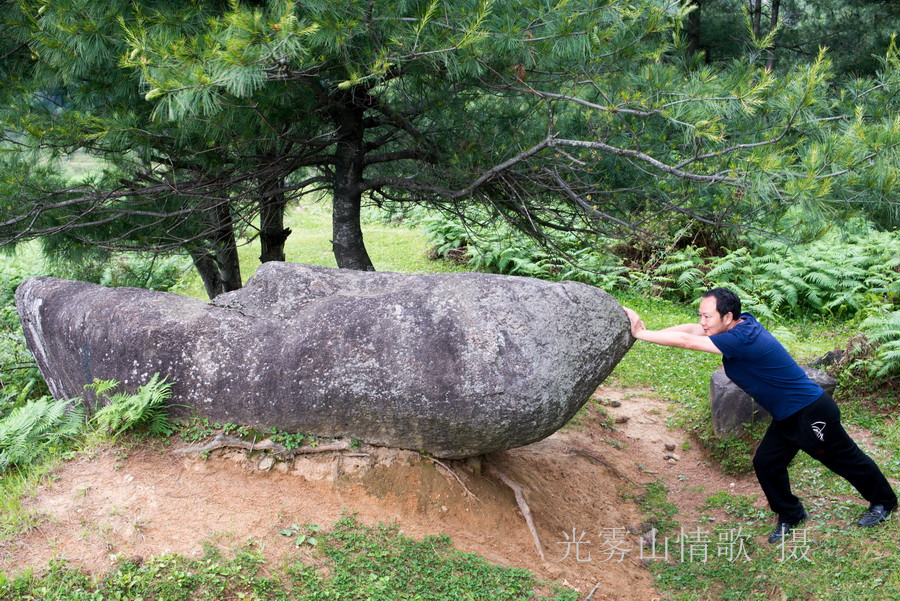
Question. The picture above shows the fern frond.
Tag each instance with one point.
(126, 411)
(28, 431)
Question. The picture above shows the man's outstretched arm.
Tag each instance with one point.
(687, 336)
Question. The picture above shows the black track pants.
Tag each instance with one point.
(816, 430)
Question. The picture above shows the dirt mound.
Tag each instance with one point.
(151, 501)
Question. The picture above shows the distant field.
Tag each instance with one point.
(391, 248)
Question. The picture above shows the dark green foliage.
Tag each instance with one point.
(151, 272)
(884, 330)
(833, 277)
(499, 249)
(18, 370)
(837, 276)
(855, 32)
(138, 270)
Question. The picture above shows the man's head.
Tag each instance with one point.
(720, 309)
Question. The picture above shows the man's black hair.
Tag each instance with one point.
(726, 302)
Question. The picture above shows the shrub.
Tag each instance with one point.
(499, 250)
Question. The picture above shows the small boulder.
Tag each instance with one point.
(829, 358)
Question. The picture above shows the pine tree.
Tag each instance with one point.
(587, 116)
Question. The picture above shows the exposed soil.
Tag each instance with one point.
(148, 500)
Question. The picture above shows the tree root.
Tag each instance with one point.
(221, 441)
(453, 473)
(591, 594)
(592, 457)
(523, 506)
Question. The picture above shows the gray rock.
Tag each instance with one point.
(648, 540)
(732, 407)
(829, 358)
(452, 364)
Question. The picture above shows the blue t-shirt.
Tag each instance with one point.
(761, 367)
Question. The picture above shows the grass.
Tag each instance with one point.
(16, 485)
(349, 562)
(825, 559)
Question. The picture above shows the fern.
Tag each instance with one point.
(680, 271)
(143, 409)
(734, 264)
(30, 430)
(446, 234)
(884, 330)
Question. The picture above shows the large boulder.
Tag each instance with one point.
(733, 409)
(452, 364)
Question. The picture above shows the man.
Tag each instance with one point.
(804, 416)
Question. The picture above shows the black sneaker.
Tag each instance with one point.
(782, 528)
(875, 515)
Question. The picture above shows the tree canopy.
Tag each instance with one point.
(589, 116)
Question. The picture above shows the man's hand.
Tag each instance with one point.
(637, 323)
(686, 336)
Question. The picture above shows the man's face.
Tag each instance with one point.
(710, 320)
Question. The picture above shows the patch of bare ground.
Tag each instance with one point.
(149, 500)
(660, 453)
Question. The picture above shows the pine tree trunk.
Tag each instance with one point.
(692, 30)
(206, 266)
(347, 238)
(756, 15)
(226, 249)
(272, 233)
(219, 268)
(773, 23)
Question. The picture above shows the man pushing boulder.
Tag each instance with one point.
(804, 417)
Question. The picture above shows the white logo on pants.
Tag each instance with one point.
(818, 427)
